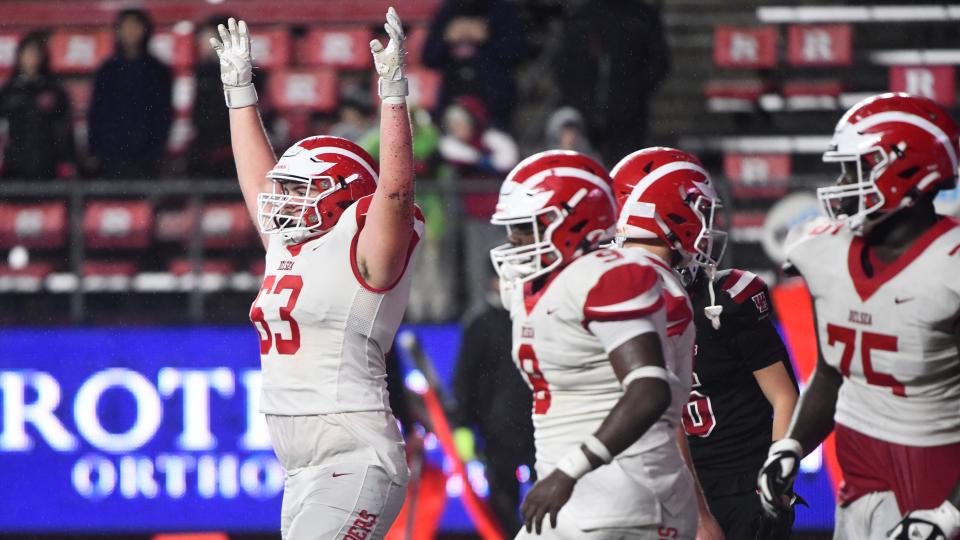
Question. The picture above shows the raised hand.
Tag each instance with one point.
(236, 64)
(389, 60)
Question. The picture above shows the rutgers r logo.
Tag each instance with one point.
(760, 300)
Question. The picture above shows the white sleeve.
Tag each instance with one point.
(613, 334)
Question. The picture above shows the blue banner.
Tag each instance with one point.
(157, 429)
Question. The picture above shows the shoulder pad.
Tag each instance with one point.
(743, 293)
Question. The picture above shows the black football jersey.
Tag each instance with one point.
(728, 420)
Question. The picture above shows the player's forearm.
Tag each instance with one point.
(783, 408)
(252, 154)
(643, 403)
(385, 239)
(394, 195)
(813, 420)
(684, 446)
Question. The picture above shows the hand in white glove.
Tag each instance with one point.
(389, 61)
(941, 523)
(777, 475)
(236, 64)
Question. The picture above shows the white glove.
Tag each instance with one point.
(236, 64)
(777, 476)
(941, 523)
(389, 61)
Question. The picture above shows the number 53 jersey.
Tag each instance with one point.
(323, 330)
(889, 329)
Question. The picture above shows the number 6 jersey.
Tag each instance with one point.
(323, 330)
(889, 329)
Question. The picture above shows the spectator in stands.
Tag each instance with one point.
(356, 117)
(566, 130)
(476, 44)
(37, 111)
(493, 398)
(613, 78)
(131, 110)
(210, 155)
(473, 150)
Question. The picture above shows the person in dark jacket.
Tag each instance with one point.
(476, 44)
(613, 58)
(493, 397)
(131, 110)
(37, 111)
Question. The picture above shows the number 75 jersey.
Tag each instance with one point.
(323, 330)
(892, 333)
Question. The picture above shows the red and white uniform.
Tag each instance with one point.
(892, 337)
(562, 336)
(323, 335)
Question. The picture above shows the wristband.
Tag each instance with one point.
(238, 97)
(645, 372)
(393, 89)
(575, 464)
(597, 448)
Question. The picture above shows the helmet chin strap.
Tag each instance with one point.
(295, 237)
(713, 311)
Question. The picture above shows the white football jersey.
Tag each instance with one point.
(573, 382)
(892, 335)
(323, 330)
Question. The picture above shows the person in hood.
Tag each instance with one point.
(131, 109)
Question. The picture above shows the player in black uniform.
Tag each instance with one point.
(743, 396)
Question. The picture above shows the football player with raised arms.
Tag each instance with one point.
(741, 372)
(883, 275)
(590, 335)
(339, 238)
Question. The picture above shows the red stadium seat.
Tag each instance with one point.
(109, 268)
(347, 48)
(424, 86)
(37, 270)
(935, 82)
(117, 224)
(8, 52)
(312, 90)
(750, 48)
(33, 225)
(176, 49)
(416, 37)
(812, 88)
(271, 49)
(757, 175)
(258, 267)
(80, 91)
(226, 225)
(820, 45)
(79, 52)
(179, 267)
(744, 89)
(174, 225)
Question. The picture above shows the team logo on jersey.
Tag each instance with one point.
(527, 332)
(285, 266)
(860, 317)
(760, 300)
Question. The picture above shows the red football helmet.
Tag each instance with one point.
(666, 193)
(314, 181)
(893, 148)
(564, 199)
